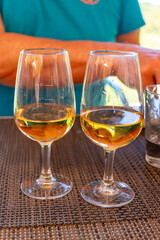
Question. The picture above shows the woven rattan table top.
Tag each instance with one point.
(70, 217)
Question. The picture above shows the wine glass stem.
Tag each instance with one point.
(108, 182)
(46, 176)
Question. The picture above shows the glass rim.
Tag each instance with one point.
(151, 89)
(112, 53)
(43, 51)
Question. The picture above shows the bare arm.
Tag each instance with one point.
(131, 37)
(12, 43)
(2, 30)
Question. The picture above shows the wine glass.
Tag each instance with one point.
(44, 108)
(111, 116)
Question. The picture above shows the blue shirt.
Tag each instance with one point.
(97, 20)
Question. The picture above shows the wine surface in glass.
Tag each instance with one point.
(111, 128)
(45, 122)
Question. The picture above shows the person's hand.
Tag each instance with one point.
(150, 66)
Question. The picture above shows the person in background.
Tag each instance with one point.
(76, 25)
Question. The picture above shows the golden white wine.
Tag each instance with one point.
(45, 122)
(111, 128)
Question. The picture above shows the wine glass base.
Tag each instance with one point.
(34, 188)
(121, 195)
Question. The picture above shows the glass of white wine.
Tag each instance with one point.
(44, 109)
(111, 116)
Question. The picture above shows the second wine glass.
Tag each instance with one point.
(111, 116)
(44, 107)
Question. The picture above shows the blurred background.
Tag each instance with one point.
(150, 33)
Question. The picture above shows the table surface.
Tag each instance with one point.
(71, 217)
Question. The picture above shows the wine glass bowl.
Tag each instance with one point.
(111, 116)
(44, 108)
